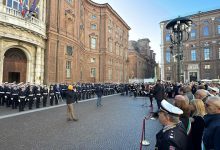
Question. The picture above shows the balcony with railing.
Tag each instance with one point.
(12, 16)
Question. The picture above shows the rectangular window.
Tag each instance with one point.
(92, 60)
(93, 43)
(69, 50)
(68, 69)
(206, 54)
(218, 28)
(193, 34)
(207, 66)
(206, 31)
(168, 56)
(15, 5)
(93, 72)
(9, 3)
(93, 26)
(193, 55)
(69, 1)
(167, 37)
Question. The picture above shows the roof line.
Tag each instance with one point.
(111, 9)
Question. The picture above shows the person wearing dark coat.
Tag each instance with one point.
(69, 101)
(198, 111)
(159, 93)
(211, 134)
(45, 95)
(173, 135)
(99, 93)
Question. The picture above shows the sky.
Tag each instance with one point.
(144, 16)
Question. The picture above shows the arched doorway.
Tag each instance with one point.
(15, 66)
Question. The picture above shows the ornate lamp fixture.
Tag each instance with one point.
(179, 30)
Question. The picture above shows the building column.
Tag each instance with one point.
(42, 65)
(1, 5)
(38, 65)
(162, 52)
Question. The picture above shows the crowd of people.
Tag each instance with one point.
(190, 115)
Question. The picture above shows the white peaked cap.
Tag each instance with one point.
(170, 109)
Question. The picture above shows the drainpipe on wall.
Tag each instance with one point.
(58, 33)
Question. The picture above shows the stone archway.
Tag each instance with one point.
(15, 65)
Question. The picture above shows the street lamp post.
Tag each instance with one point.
(179, 32)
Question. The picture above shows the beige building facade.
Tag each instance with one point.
(22, 43)
(87, 42)
(201, 53)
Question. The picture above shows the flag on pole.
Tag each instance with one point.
(34, 5)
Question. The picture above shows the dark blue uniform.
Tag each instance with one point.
(172, 138)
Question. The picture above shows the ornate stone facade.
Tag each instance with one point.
(201, 53)
(141, 60)
(22, 35)
(87, 42)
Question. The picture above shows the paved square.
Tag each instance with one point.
(114, 126)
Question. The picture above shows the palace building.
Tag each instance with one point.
(141, 60)
(54, 41)
(22, 41)
(201, 52)
(86, 42)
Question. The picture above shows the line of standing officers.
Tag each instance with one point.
(22, 95)
(28, 95)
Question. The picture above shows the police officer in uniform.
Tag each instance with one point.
(30, 97)
(2, 93)
(78, 89)
(38, 96)
(14, 97)
(173, 136)
(22, 96)
(45, 95)
(52, 95)
(57, 93)
(8, 95)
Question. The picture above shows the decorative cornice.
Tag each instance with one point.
(194, 15)
(22, 29)
(106, 5)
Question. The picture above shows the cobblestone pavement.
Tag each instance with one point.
(114, 126)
